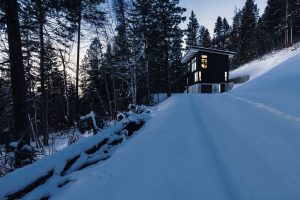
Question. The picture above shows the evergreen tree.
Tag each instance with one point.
(204, 39)
(140, 38)
(249, 19)
(274, 18)
(218, 33)
(168, 17)
(234, 43)
(192, 30)
(93, 81)
(225, 34)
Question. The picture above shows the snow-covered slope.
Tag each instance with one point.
(239, 145)
(275, 81)
(261, 66)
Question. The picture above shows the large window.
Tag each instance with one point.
(204, 61)
(194, 64)
(198, 76)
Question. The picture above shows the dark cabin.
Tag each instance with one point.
(207, 70)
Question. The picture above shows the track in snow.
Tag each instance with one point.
(201, 147)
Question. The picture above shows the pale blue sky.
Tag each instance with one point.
(207, 11)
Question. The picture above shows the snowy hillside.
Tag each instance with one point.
(274, 81)
(240, 145)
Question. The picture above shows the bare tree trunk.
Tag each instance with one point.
(78, 58)
(115, 96)
(65, 87)
(291, 36)
(16, 70)
(108, 97)
(148, 81)
(44, 131)
(287, 22)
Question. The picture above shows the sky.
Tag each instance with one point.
(207, 11)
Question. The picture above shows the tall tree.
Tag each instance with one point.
(225, 34)
(234, 43)
(192, 30)
(218, 33)
(248, 49)
(204, 38)
(90, 12)
(169, 16)
(140, 30)
(16, 70)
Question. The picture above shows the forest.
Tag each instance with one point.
(134, 50)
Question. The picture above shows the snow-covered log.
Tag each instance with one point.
(42, 178)
(91, 115)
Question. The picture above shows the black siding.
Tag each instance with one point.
(215, 73)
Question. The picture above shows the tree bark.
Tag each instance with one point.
(287, 23)
(78, 59)
(65, 88)
(43, 117)
(17, 70)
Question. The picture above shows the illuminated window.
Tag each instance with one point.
(196, 77)
(194, 64)
(226, 76)
(204, 61)
(200, 76)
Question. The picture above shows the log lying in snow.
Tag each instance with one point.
(41, 179)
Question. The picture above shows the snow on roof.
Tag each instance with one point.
(193, 50)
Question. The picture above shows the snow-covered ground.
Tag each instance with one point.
(261, 66)
(240, 145)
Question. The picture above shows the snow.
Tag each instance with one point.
(279, 86)
(159, 97)
(261, 66)
(93, 116)
(56, 162)
(238, 145)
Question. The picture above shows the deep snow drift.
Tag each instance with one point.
(240, 145)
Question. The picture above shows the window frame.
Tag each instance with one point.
(196, 77)
(194, 64)
(204, 61)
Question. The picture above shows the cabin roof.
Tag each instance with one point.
(193, 50)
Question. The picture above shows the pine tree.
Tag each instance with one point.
(192, 30)
(169, 16)
(234, 44)
(93, 84)
(248, 48)
(123, 66)
(218, 33)
(226, 34)
(77, 13)
(274, 18)
(140, 34)
(204, 39)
